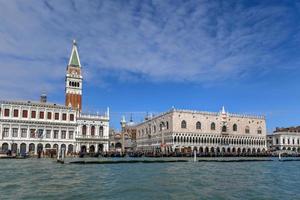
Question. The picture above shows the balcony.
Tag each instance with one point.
(224, 133)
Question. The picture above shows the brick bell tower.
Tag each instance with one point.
(74, 80)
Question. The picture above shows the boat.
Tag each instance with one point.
(7, 155)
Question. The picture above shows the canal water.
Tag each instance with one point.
(45, 179)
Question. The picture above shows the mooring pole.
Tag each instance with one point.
(58, 154)
(63, 154)
(195, 156)
(279, 156)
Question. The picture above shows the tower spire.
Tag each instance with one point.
(74, 58)
(223, 110)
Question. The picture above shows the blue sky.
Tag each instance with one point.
(147, 56)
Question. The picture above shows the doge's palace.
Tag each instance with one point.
(205, 132)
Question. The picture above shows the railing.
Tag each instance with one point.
(94, 116)
(91, 137)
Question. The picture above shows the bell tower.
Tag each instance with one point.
(74, 80)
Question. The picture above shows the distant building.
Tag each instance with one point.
(286, 139)
(30, 127)
(269, 142)
(128, 135)
(115, 141)
(125, 140)
(206, 132)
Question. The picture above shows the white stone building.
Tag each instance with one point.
(32, 126)
(286, 139)
(28, 126)
(205, 132)
(93, 132)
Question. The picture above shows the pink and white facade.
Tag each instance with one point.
(205, 132)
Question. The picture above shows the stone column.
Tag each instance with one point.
(27, 146)
(88, 130)
(19, 132)
(35, 148)
(77, 147)
(105, 147)
(97, 130)
(96, 148)
(87, 147)
(1, 132)
(77, 131)
(59, 133)
(10, 131)
(28, 132)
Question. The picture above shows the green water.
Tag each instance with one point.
(45, 179)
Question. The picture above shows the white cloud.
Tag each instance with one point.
(161, 41)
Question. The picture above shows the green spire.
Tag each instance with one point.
(74, 59)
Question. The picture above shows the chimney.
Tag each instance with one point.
(43, 98)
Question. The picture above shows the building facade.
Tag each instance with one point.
(35, 126)
(286, 139)
(93, 132)
(204, 132)
(128, 133)
(30, 127)
(125, 140)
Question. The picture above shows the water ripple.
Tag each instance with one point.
(45, 179)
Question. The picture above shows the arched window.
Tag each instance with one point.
(154, 129)
(167, 125)
(101, 131)
(247, 129)
(213, 126)
(198, 125)
(224, 128)
(84, 130)
(183, 124)
(234, 128)
(93, 130)
(161, 126)
(70, 83)
(31, 147)
(259, 131)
